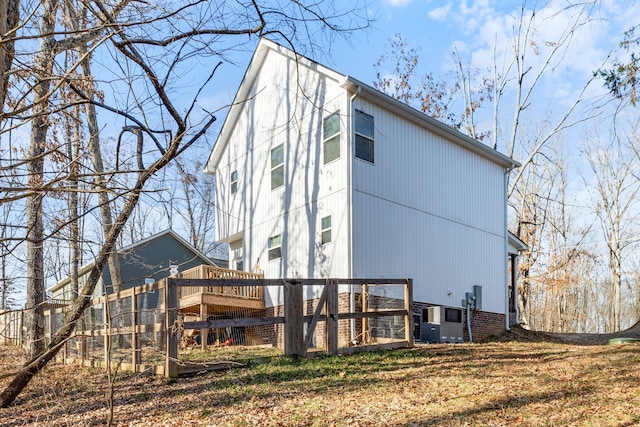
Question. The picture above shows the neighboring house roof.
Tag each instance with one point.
(222, 263)
(87, 268)
(515, 244)
(352, 85)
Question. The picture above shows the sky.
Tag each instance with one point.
(480, 30)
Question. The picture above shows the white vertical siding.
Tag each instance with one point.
(427, 209)
(288, 105)
(430, 210)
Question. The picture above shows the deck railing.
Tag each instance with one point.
(211, 272)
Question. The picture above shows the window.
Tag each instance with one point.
(234, 182)
(277, 167)
(331, 137)
(364, 136)
(275, 247)
(326, 229)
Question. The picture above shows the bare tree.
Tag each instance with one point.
(615, 169)
(147, 65)
(437, 97)
(43, 70)
(532, 204)
(565, 256)
(9, 17)
(197, 209)
(526, 42)
(78, 20)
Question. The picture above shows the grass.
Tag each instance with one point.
(497, 384)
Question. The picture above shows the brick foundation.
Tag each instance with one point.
(267, 334)
(379, 328)
(483, 325)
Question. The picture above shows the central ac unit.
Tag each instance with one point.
(441, 324)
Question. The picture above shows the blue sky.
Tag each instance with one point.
(480, 30)
(476, 26)
(434, 27)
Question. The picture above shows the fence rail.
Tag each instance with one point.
(144, 328)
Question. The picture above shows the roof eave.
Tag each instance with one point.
(516, 242)
(83, 270)
(352, 84)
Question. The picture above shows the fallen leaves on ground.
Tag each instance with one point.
(493, 384)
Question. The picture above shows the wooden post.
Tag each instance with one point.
(408, 303)
(171, 316)
(21, 337)
(106, 321)
(204, 333)
(314, 320)
(332, 317)
(158, 317)
(366, 333)
(83, 339)
(136, 357)
(52, 325)
(293, 321)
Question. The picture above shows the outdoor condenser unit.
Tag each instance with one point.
(441, 324)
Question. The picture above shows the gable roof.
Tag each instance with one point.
(87, 268)
(352, 85)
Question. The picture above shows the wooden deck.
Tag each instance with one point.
(205, 300)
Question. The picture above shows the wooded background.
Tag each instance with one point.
(103, 128)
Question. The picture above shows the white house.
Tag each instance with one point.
(319, 175)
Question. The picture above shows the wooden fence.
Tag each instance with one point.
(299, 317)
(11, 327)
(142, 328)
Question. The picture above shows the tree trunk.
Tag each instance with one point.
(98, 165)
(616, 284)
(523, 300)
(37, 362)
(9, 16)
(73, 152)
(35, 167)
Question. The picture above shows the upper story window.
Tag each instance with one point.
(331, 137)
(274, 245)
(234, 182)
(277, 167)
(326, 229)
(364, 136)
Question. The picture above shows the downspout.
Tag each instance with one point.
(505, 252)
(469, 320)
(352, 297)
(514, 274)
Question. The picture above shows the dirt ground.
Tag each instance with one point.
(522, 335)
(522, 378)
